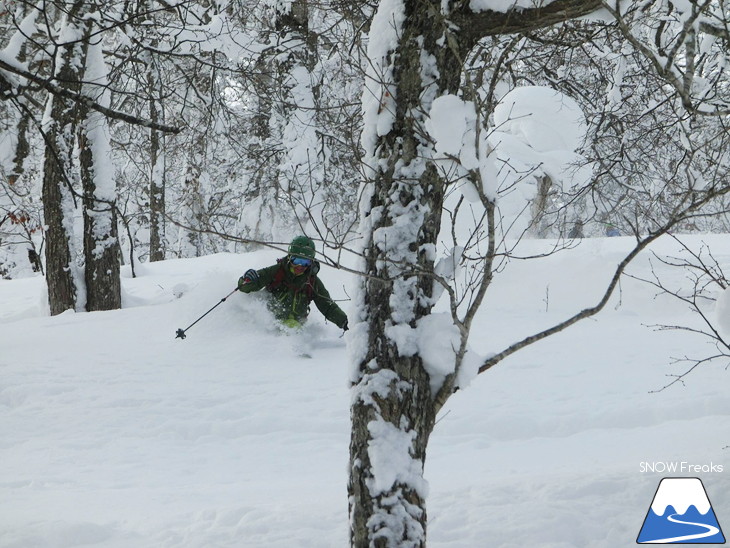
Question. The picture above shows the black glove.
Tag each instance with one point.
(250, 276)
(345, 327)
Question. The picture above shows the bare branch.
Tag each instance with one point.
(640, 246)
(82, 99)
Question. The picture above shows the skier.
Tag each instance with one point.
(612, 231)
(293, 284)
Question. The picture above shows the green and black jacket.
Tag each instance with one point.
(291, 295)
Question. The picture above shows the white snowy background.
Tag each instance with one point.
(115, 434)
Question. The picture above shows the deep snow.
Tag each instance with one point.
(115, 434)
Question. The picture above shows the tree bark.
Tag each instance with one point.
(56, 197)
(475, 26)
(58, 173)
(393, 402)
(101, 242)
(157, 169)
(22, 148)
(393, 416)
(196, 179)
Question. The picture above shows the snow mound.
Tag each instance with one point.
(543, 118)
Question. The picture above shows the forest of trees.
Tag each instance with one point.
(215, 124)
(150, 130)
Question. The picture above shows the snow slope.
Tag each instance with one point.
(114, 434)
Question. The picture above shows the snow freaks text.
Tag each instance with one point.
(680, 467)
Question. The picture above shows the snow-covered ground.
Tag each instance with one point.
(115, 434)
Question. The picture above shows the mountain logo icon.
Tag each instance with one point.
(681, 513)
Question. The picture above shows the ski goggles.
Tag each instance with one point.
(301, 261)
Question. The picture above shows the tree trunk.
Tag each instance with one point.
(157, 167)
(101, 242)
(157, 197)
(540, 226)
(192, 244)
(22, 147)
(62, 276)
(415, 55)
(196, 182)
(301, 166)
(393, 412)
(57, 211)
(392, 419)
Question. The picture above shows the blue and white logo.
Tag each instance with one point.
(681, 513)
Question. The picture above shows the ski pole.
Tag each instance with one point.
(181, 332)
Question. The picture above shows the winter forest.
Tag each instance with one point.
(424, 145)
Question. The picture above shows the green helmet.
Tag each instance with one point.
(301, 246)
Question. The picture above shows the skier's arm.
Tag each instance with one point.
(327, 306)
(255, 280)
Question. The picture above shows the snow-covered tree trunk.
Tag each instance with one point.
(101, 243)
(18, 49)
(63, 277)
(258, 208)
(301, 169)
(393, 411)
(283, 154)
(16, 159)
(193, 200)
(415, 55)
(198, 159)
(157, 167)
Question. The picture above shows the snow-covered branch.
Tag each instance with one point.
(687, 45)
(482, 18)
